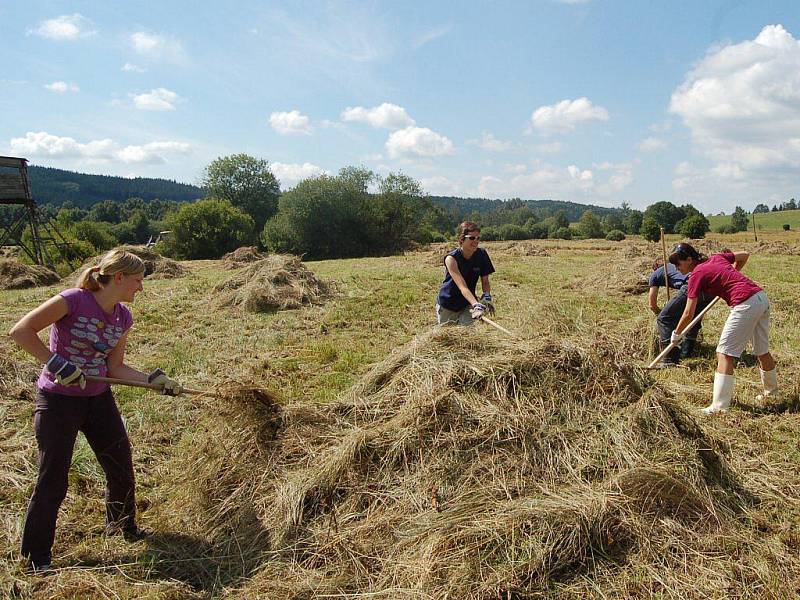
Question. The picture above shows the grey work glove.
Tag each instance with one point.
(486, 300)
(169, 387)
(66, 372)
(477, 310)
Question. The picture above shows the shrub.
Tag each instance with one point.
(727, 228)
(615, 235)
(538, 231)
(207, 229)
(694, 227)
(650, 229)
(512, 232)
(562, 233)
(786, 227)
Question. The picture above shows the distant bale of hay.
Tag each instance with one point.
(476, 467)
(775, 248)
(242, 256)
(15, 275)
(155, 265)
(274, 283)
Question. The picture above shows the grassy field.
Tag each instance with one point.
(558, 296)
(772, 221)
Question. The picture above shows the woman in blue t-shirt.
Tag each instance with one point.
(463, 267)
(89, 328)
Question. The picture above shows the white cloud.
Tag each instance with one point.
(418, 142)
(741, 103)
(490, 143)
(386, 116)
(547, 181)
(289, 174)
(158, 47)
(432, 35)
(549, 148)
(62, 86)
(43, 144)
(662, 127)
(565, 115)
(439, 185)
(132, 68)
(287, 123)
(65, 28)
(159, 99)
(651, 144)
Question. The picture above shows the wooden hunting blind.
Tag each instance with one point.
(15, 192)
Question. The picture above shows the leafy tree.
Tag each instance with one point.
(562, 233)
(98, 234)
(761, 208)
(246, 182)
(791, 205)
(509, 231)
(633, 222)
(107, 211)
(590, 226)
(399, 208)
(650, 229)
(739, 219)
(694, 227)
(615, 221)
(537, 231)
(207, 229)
(615, 235)
(665, 214)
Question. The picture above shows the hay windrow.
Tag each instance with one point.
(242, 256)
(15, 275)
(155, 265)
(277, 282)
(619, 276)
(477, 467)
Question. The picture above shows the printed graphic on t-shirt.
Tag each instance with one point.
(100, 339)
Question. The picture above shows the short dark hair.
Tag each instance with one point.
(465, 227)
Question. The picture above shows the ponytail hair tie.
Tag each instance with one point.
(95, 269)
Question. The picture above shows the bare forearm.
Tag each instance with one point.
(123, 371)
(28, 340)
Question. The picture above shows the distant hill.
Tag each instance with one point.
(771, 221)
(573, 210)
(56, 186)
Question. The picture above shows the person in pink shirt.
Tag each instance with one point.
(748, 322)
(89, 328)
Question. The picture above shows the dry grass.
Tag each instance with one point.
(242, 256)
(16, 275)
(155, 265)
(274, 283)
(476, 467)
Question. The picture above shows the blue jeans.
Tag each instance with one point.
(668, 318)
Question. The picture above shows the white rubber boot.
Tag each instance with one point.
(770, 381)
(723, 392)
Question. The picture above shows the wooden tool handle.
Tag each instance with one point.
(694, 322)
(496, 326)
(142, 384)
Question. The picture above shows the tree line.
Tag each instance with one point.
(355, 212)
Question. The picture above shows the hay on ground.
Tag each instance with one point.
(274, 283)
(155, 265)
(477, 467)
(242, 256)
(775, 248)
(618, 276)
(15, 275)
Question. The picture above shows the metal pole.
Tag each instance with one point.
(755, 235)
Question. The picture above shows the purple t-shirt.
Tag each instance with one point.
(718, 277)
(85, 336)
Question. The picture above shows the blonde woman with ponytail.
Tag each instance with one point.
(89, 328)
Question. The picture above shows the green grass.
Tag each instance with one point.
(772, 221)
(316, 353)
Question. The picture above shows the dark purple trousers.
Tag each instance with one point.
(57, 421)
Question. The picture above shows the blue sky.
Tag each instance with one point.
(594, 101)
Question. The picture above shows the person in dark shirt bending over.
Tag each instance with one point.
(463, 267)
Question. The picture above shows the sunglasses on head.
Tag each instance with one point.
(472, 237)
(681, 248)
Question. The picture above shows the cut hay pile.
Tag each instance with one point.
(242, 256)
(527, 249)
(155, 265)
(15, 275)
(277, 282)
(472, 467)
(775, 248)
(618, 276)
